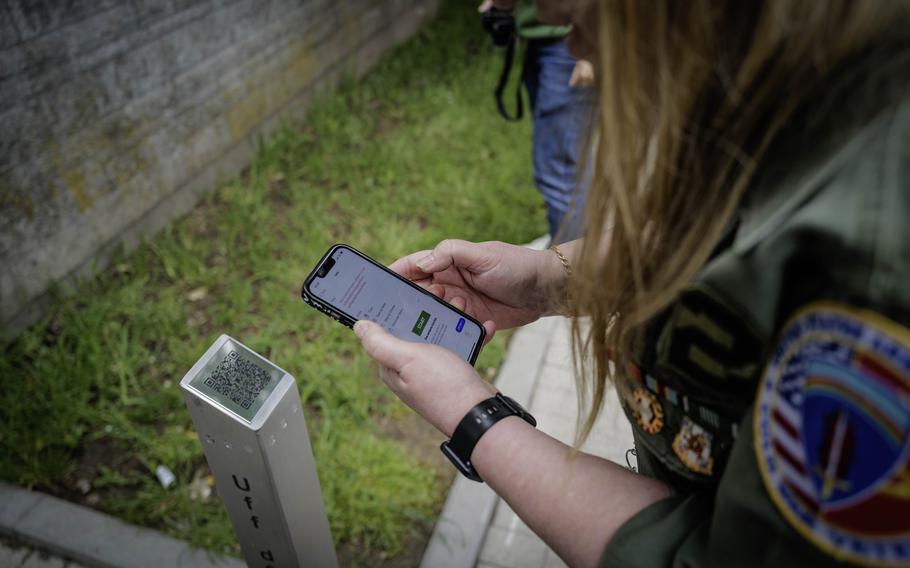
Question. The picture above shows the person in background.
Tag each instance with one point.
(742, 280)
(560, 97)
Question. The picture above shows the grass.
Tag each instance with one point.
(410, 155)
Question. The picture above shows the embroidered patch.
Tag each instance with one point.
(648, 412)
(832, 432)
(692, 445)
(710, 341)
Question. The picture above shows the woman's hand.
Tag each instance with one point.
(432, 380)
(500, 284)
(582, 74)
(575, 503)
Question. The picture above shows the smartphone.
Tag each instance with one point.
(347, 285)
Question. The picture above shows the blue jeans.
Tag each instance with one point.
(561, 114)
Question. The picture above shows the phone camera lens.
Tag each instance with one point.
(326, 266)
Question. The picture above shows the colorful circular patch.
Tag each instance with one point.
(692, 445)
(648, 412)
(832, 432)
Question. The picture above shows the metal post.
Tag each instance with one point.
(250, 422)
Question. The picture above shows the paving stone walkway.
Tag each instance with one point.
(478, 530)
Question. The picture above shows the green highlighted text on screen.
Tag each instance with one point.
(421, 323)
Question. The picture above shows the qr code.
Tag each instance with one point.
(238, 379)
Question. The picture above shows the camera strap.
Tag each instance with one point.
(504, 80)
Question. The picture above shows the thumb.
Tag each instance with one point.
(574, 79)
(463, 254)
(383, 347)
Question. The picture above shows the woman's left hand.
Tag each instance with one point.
(432, 380)
(582, 74)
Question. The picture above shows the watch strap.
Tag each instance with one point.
(474, 425)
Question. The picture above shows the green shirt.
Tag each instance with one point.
(529, 27)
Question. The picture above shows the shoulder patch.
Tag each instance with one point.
(832, 432)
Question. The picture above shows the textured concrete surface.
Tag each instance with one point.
(16, 555)
(48, 532)
(116, 116)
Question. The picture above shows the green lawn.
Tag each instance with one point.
(412, 154)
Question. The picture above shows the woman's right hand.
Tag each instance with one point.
(496, 282)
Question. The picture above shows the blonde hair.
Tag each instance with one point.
(690, 96)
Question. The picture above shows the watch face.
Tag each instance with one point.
(461, 465)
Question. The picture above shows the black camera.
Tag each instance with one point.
(500, 24)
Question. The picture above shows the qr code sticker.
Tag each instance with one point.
(238, 379)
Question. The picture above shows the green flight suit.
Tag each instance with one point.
(819, 250)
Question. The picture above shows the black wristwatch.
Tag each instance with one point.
(474, 425)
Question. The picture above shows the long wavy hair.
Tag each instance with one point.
(690, 97)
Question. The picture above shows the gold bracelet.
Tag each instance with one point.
(562, 258)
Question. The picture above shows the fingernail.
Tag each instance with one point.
(360, 328)
(426, 261)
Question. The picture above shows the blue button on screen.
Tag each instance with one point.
(460, 325)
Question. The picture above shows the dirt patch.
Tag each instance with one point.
(421, 438)
(103, 451)
(343, 221)
(350, 555)
(389, 122)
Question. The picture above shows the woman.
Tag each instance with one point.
(744, 269)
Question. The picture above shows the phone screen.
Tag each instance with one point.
(361, 289)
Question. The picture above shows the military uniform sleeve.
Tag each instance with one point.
(737, 526)
(822, 470)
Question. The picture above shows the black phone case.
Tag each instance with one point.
(346, 320)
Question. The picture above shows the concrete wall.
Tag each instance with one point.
(115, 115)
